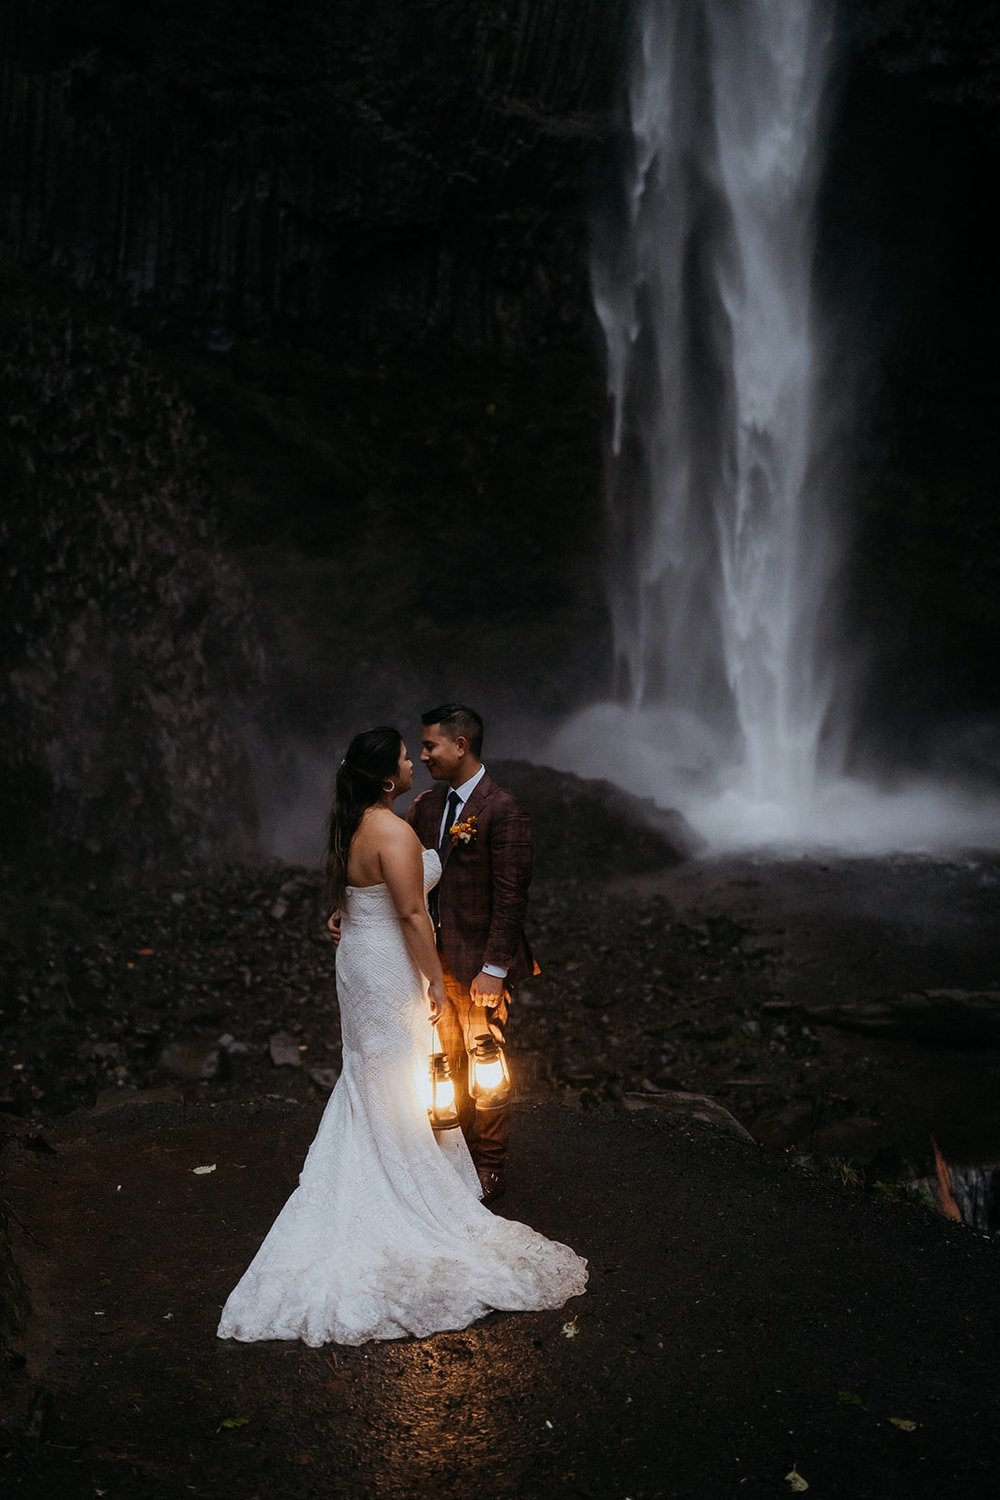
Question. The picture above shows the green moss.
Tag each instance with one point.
(905, 1192)
(852, 1174)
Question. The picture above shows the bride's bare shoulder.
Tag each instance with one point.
(389, 829)
(381, 836)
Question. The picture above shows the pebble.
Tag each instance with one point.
(194, 1059)
(284, 1050)
(324, 1078)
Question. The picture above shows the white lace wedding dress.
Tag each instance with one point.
(385, 1235)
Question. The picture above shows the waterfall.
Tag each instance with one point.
(725, 505)
(722, 542)
(723, 547)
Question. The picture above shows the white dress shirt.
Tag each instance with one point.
(463, 793)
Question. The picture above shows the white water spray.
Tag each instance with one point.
(722, 506)
(724, 543)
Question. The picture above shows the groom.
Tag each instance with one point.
(478, 910)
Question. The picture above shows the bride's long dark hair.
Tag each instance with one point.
(371, 761)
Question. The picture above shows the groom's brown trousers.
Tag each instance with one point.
(486, 1131)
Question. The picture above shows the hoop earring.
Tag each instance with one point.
(390, 788)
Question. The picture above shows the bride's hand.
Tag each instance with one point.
(435, 994)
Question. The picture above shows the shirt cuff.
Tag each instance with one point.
(495, 971)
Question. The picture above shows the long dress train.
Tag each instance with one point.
(385, 1234)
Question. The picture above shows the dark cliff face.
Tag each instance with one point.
(382, 172)
(126, 643)
(913, 303)
(950, 52)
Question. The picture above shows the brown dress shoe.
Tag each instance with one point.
(492, 1183)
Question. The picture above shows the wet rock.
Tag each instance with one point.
(232, 1046)
(848, 1139)
(690, 1107)
(593, 827)
(32, 1139)
(757, 945)
(108, 1051)
(789, 1125)
(284, 1050)
(39, 1414)
(324, 1078)
(952, 1016)
(193, 1059)
(109, 1099)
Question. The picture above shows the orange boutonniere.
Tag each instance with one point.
(465, 832)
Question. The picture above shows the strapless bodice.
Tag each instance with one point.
(373, 903)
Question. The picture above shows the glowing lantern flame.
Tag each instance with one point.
(441, 1109)
(444, 1094)
(489, 1075)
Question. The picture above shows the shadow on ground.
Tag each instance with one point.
(743, 1318)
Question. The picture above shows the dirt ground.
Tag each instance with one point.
(855, 1056)
(749, 1318)
(745, 1322)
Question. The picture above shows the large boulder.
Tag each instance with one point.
(587, 828)
(950, 1018)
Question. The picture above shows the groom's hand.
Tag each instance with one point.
(486, 989)
(333, 927)
(489, 1005)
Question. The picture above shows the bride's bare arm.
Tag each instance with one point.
(401, 862)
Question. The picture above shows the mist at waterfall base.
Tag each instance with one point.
(680, 762)
(725, 498)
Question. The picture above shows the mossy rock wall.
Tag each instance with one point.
(127, 643)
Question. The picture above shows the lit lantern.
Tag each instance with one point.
(489, 1075)
(442, 1111)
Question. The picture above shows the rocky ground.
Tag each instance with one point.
(726, 1345)
(845, 1008)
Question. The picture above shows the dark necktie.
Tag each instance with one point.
(453, 800)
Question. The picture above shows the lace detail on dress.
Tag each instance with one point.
(385, 1235)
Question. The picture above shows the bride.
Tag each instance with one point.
(385, 1235)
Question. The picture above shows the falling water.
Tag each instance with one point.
(724, 548)
(724, 505)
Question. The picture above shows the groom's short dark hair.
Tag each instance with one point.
(456, 719)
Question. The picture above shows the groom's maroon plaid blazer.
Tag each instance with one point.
(483, 892)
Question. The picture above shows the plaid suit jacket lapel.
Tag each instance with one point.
(432, 808)
(471, 808)
(479, 796)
